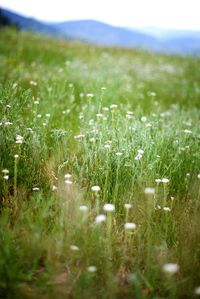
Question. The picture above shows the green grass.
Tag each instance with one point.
(69, 102)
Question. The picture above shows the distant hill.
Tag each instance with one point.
(154, 39)
(29, 23)
(104, 34)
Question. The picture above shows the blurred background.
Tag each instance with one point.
(165, 26)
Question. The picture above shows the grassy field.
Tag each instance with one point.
(100, 171)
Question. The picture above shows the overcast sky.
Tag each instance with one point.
(177, 14)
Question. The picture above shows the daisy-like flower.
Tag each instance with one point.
(68, 176)
(108, 207)
(74, 248)
(128, 206)
(119, 154)
(16, 156)
(140, 152)
(166, 209)
(143, 119)
(95, 188)
(197, 291)
(165, 181)
(99, 115)
(170, 268)
(187, 131)
(158, 181)
(54, 188)
(113, 106)
(5, 171)
(68, 182)
(83, 208)
(100, 218)
(108, 146)
(149, 190)
(92, 269)
(19, 139)
(198, 176)
(90, 95)
(6, 177)
(130, 226)
(138, 157)
(35, 189)
(80, 136)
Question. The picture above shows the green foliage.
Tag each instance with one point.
(115, 118)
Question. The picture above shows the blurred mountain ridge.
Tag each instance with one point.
(184, 42)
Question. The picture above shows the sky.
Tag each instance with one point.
(175, 14)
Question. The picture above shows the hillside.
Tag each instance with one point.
(157, 40)
(99, 171)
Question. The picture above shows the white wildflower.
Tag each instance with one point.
(92, 269)
(149, 190)
(143, 119)
(68, 182)
(68, 176)
(113, 106)
(80, 136)
(140, 152)
(158, 181)
(95, 188)
(197, 291)
(187, 131)
(130, 226)
(119, 154)
(99, 115)
(166, 209)
(5, 171)
(90, 95)
(83, 208)
(165, 180)
(19, 139)
(170, 268)
(100, 218)
(54, 188)
(108, 207)
(74, 248)
(35, 189)
(138, 157)
(128, 206)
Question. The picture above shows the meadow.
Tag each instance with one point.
(99, 171)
